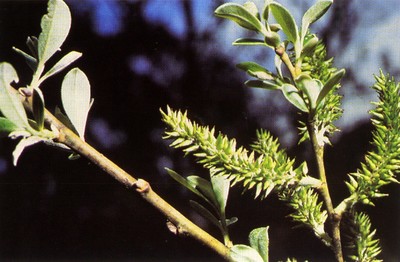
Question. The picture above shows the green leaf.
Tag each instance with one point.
(286, 20)
(220, 186)
(259, 240)
(265, 13)
(313, 14)
(310, 43)
(332, 81)
(252, 8)
(184, 182)
(240, 15)
(64, 119)
(38, 108)
(278, 65)
(75, 95)
(6, 126)
(311, 87)
(262, 84)
(205, 188)
(256, 70)
(243, 253)
(293, 96)
(55, 28)
(248, 41)
(204, 212)
(30, 60)
(10, 105)
(62, 64)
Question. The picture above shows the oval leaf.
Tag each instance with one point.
(252, 8)
(286, 20)
(259, 240)
(293, 96)
(313, 14)
(220, 186)
(311, 87)
(240, 15)
(30, 60)
(10, 105)
(75, 95)
(243, 253)
(256, 70)
(248, 41)
(331, 83)
(55, 27)
(63, 63)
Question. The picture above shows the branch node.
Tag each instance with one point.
(142, 186)
(176, 230)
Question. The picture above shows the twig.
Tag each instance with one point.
(324, 190)
(182, 224)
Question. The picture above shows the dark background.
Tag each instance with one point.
(55, 209)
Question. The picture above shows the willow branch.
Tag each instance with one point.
(182, 224)
(324, 190)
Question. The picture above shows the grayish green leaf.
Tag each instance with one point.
(10, 105)
(248, 41)
(259, 240)
(220, 186)
(75, 95)
(293, 96)
(331, 83)
(55, 28)
(265, 13)
(240, 15)
(243, 253)
(256, 70)
(63, 63)
(64, 119)
(286, 20)
(252, 8)
(311, 87)
(278, 65)
(30, 60)
(313, 14)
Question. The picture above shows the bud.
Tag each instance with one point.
(272, 39)
(309, 45)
